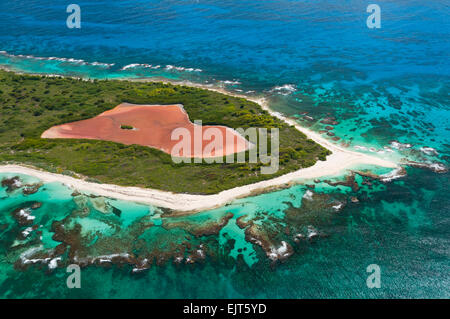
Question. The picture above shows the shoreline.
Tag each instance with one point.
(339, 160)
(188, 203)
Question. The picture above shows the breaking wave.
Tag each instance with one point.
(52, 58)
(286, 89)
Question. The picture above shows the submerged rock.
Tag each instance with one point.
(339, 206)
(399, 146)
(349, 181)
(31, 189)
(241, 223)
(354, 199)
(116, 211)
(23, 216)
(308, 195)
(298, 237)
(211, 227)
(329, 120)
(12, 183)
(312, 232)
(36, 205)
(101, 204)
(141, 265)
(38, 256)
(75, 193)
(428, 151)
(280, 253)
(433, 166)
(394, 174)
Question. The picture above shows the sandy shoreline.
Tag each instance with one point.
(339, 160)
(334, 164)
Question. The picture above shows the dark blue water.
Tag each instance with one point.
(318, 57)
(264, 41)
(332, 62)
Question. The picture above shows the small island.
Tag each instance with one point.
(32, 104)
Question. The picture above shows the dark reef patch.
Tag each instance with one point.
(210, 227)
(96, 233)
(14, 183)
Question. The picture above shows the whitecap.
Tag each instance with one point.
(181, 69)
(281, 252)
(27, 214)
(338, 206)
(59, 59)
(394, 174)
(284, 89)
(227, 82)
(140, 65)
(362, 148)
(308, 195)
(428, 150)
(400, 146)
(54, 263)
(312, 232)
(27, 232)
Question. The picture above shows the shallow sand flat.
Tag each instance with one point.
(152, 126)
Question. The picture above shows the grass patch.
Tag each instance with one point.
(126, 127)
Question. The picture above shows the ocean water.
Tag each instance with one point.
(384, 91)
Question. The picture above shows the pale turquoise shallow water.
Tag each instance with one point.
(316, 57)
(397, 225)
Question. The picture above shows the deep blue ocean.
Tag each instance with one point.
(388, 89)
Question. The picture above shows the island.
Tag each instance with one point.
(33, 104)
(35, 108)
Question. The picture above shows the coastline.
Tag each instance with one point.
(188, 203)
(339, 160)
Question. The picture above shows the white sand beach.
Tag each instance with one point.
(334, 164)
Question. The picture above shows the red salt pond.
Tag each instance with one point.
(152, 126)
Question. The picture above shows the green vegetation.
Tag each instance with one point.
(31, 104)
(126, 127)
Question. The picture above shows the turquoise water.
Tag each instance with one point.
(397, 225)
(384, 92)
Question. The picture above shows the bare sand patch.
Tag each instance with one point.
(149, 125)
